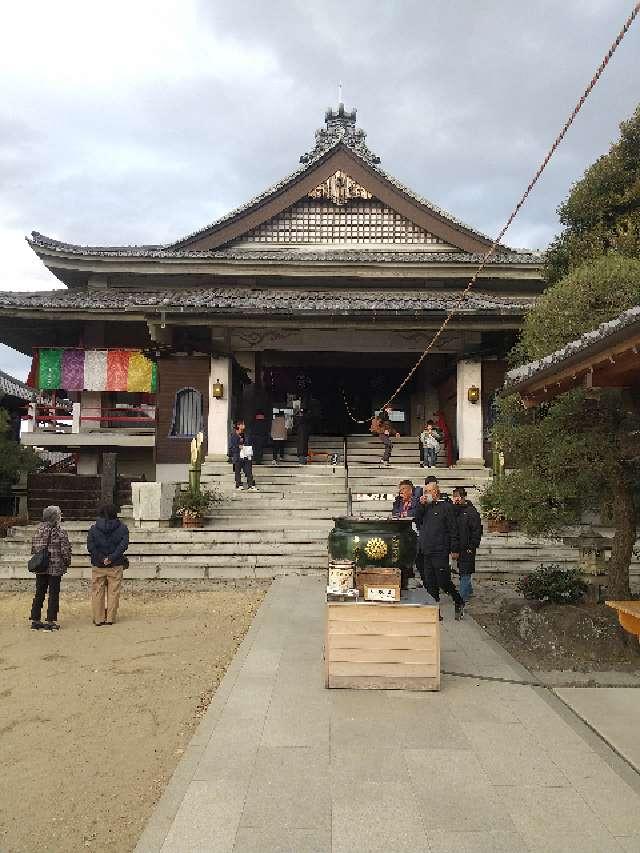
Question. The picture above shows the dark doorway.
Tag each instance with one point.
(345, 389)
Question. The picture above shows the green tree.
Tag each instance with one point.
(15, 460)
(602, 213)
(578, 452)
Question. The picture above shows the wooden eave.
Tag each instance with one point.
(607, 364)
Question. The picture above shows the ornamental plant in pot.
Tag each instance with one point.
(191, 505)
(494, 508)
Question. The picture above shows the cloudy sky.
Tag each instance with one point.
(142, 120)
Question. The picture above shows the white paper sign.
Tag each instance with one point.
(381, 593)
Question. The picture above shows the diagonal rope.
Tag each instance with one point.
(516, 210)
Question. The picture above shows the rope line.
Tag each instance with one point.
(516, 210)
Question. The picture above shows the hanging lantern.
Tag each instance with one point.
(473, 394)
(217, 390)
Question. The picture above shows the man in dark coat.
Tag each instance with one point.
(241, 462)
(470, 533)
(107, 541)
(438, 541)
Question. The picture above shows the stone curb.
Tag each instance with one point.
(165, 810)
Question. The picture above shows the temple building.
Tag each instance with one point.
(329, 284)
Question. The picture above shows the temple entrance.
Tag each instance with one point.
(344, 389)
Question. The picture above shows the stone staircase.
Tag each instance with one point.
(284, 526)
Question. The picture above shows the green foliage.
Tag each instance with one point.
(568, 456)
(195, 501)
(602, 213)
(593, 293)
(553, 584)
(15, 460)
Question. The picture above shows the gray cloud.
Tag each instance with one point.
(144, 132)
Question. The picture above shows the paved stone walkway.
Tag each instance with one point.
(281, 764)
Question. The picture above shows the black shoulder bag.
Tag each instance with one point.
(39, 562)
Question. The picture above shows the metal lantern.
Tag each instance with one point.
(473, 394)
(217, 390)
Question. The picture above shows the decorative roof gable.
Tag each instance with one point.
(340, 147)
(338, 215)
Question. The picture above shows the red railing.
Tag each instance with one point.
(124, 415)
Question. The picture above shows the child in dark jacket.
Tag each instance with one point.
(107, 542)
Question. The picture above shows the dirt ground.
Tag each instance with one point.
(549, 637)
(94, 720)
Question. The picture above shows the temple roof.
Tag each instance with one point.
(339, 148)
(288, 253)
(246, 301)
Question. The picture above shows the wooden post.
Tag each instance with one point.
(108, 478)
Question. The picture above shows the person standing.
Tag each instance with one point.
(51, 536)
(278, 437)
(386, 433)
(470, 534)
(258, 436)
(107, 542)
(240, 453)
(429, 445)
(303, 427)
(446, 437)
(438, 542)
(407, 500)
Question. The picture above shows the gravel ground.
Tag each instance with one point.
(94, 720)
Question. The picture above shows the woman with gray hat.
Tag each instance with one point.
(51, 536)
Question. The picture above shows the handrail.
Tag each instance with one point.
(345, 455)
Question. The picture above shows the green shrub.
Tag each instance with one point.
(553, 584)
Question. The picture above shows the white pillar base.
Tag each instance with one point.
(219, 424)
(469, 416)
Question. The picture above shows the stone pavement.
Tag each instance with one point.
(613, 712)
(282, 764)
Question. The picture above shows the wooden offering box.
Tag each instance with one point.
(379, 646)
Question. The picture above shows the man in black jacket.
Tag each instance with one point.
(470, 533)
(107, 542)
(438, 541)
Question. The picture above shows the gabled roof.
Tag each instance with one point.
(340, 145)
(340, 135)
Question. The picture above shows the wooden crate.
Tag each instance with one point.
(370, 645)
(376, 577)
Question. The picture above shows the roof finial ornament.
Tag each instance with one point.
(340, 128)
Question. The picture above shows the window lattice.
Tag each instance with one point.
(358, 221)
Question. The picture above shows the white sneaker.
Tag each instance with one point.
(253, 489)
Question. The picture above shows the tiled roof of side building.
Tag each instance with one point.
(256, 301)
(12, 387)
(584, 342)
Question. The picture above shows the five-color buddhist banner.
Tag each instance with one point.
(93, 370)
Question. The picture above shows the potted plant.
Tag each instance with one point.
(492, 503)
(497, 521)
(191, 505)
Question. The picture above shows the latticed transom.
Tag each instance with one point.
(356, 221)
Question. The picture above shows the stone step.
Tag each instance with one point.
(200, 537)
(311, 545)
(323, 491)
(178, 571)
